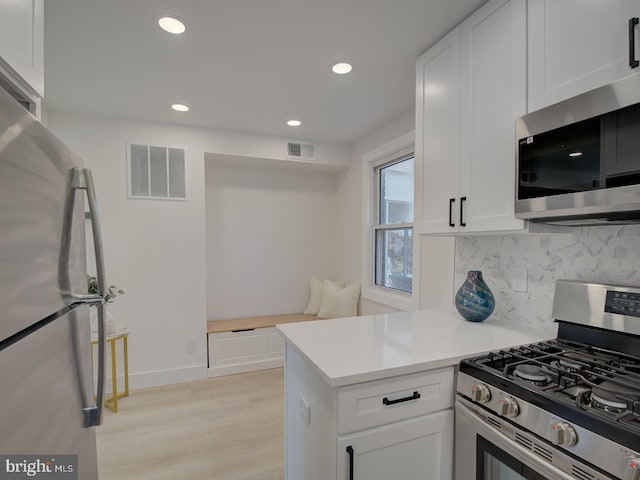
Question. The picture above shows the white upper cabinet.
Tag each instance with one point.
(471, 86)
(493, 94)
(576, 46)
(437, 139)
(22, 43)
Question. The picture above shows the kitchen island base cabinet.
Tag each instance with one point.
(408, 435)
(417, 448)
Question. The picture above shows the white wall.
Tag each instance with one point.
(156, 250)
(434, 281)
(349, 202)
(268, 231)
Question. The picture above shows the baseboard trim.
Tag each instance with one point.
(220, 371)
(162, 377)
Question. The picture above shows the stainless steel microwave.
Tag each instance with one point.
(578, 162)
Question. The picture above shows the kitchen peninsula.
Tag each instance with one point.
(372, 397)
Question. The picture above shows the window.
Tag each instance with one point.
(393, 227)
(387, 239)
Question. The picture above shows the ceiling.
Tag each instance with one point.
(246, 65)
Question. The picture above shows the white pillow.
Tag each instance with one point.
(316, 288)
(339, 302)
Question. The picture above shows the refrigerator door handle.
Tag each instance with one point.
(93, 413)
(83, 179)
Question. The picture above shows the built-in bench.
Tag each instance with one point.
(247, 344)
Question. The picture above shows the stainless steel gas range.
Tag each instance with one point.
(562, 409)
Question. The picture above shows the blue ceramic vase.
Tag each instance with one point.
(474, 299)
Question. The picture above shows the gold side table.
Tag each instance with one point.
(112, 338)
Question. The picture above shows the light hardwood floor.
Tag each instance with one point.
(225, 428)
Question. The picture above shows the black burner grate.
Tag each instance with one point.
(573, 371)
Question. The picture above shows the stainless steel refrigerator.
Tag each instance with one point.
(47, 404)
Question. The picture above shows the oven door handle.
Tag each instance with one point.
(509, 446)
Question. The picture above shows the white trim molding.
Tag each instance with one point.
(403, 145)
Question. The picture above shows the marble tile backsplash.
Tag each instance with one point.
(598, 254)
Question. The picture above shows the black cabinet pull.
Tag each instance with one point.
(415, 396)
(451, 202)
(633, 62)
(350, 452)
(462, 222)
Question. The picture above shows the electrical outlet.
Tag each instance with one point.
(192, 346)
(520, 283)
(305, 409)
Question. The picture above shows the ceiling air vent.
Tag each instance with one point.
(156, 172)
(302, 151)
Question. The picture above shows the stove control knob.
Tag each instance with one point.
(632, 471)
(563, 435)
(480, 393)
(508, 407)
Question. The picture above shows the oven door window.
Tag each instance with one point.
(492, 463)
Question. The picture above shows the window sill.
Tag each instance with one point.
(390, 298)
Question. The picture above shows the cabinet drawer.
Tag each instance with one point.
(245, 351)
(385, 401)
(232, 347)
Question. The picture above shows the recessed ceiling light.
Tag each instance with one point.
(341, 68)
(171, 24)
(575, 154)
(178, 107)
(294, 123)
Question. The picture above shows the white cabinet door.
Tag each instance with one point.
(493, 94)
(576, 46)
(471, 86)
(419, 448)
(22, 42)
(437, 136)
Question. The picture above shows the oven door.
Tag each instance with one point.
(485, 452)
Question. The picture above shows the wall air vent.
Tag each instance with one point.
(302, 151)
(156, 172)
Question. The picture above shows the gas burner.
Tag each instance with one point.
(570, 364)
(609, 396)
(607, 405)
(567, 365)
(532, 374)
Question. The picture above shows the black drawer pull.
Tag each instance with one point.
(462, 222)
(415, 396)
(243, 330)
(350, 452)
(633, 62)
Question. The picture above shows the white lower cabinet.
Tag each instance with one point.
(397, 427)
(419, 448)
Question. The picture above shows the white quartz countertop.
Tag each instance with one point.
(359, 349)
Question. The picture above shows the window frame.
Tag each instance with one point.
(394, 151)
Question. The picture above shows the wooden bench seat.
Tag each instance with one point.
(249, 323)
(247, 344)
